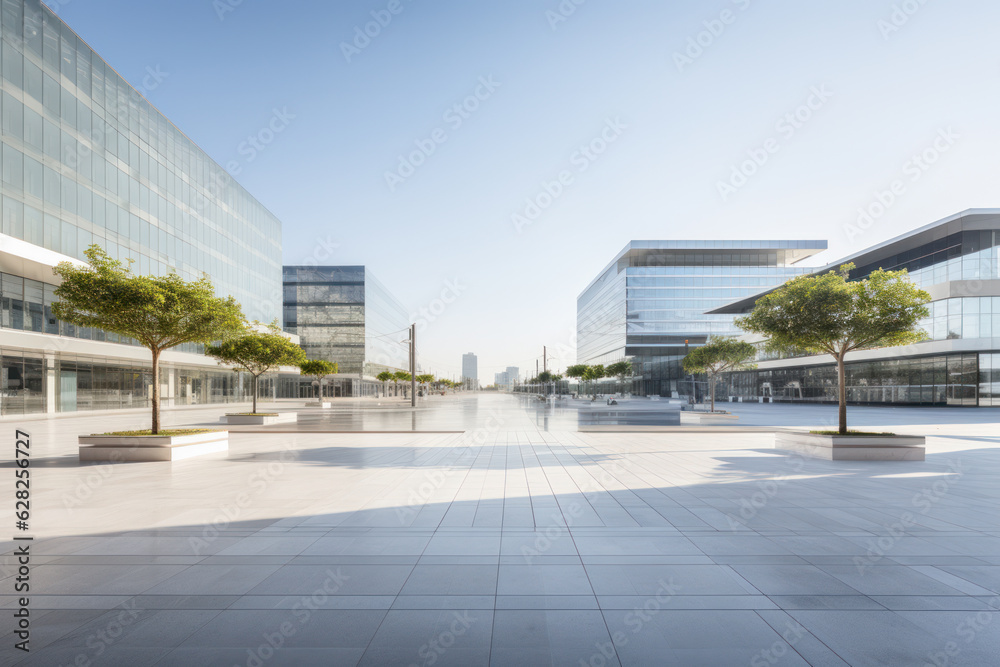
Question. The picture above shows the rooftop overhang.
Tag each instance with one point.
(968, 220)
(28, 260)
(788, 251)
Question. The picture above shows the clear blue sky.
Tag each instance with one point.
(888, 93)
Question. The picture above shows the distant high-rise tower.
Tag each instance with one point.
(470, 368)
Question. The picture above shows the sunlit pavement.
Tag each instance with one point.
(485, 529)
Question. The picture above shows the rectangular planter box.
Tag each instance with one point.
(319, 404)
(116, 448)
(852, 448)
(261, 420)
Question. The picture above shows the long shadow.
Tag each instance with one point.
(379, 578)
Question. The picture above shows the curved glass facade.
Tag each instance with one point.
(957, 260)
(651, 303)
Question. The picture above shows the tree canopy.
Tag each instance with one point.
(620, 369)
(258, 352)
(160, 312)
(829, 314)
(318, 368)
(719, 355)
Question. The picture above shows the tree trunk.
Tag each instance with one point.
(156, 392)
(319, 388)
(841, 395)
(711, 390)
(254, 385)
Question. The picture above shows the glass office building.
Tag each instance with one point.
(86, 159)
(957, 261)
(650, 303)
(343, 314)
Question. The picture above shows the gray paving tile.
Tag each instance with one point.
(334, 580)
(432, 637)
(655, 579)
(793, 580)
(214, 580)
(535, 637)
(543, 580)
(451, 580)
(720, 637)
(295, 628)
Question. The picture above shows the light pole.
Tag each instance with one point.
(413, 365)
(412, 340)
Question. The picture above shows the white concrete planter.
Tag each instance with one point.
(692, 417)
(121, 448)
(319, 404)
(852, 447)
(261, 420)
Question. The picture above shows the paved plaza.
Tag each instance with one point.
(486, 530)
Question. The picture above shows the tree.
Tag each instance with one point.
(720, 355)
(257, 352)
(160, 312)
(620, 370)
(829, 314)
(383, 377)
(425, 379)
(400, 376)
(318, 368)
(594, 373)
(577, 372)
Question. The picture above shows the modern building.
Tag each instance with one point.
(650, 304)
(957, 261)
(343, 314)
(506, 379)
(86, 159)
(470, 369)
